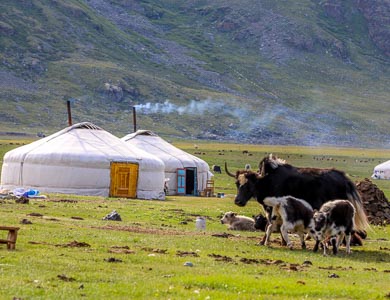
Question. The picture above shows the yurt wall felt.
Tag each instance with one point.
(76, 160)
(173, 158)
(382, 171)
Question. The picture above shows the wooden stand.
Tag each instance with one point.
(11, 238)
(209, 190)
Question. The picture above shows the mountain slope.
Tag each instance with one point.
(313, 72)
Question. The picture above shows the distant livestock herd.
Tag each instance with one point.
(321, 203)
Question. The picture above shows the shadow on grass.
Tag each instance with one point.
(359, 253)
(377, 256)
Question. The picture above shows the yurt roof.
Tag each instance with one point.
(83, 143)
(383, 166)
(172, 156)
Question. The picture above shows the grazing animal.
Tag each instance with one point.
(316, 186)
(357, 238)
(261, 222)
(335, 220)
(289, 214)
(237, 222)
(216, 169)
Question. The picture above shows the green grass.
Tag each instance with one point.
(157, 232)
(161, 237)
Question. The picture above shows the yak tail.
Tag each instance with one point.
(361, 221)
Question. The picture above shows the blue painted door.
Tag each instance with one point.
(181, 181)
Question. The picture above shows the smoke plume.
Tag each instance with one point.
(193, 107)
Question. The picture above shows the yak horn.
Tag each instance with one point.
(227, 171)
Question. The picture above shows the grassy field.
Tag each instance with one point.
(69, 252)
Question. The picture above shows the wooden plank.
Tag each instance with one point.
(5, 241)
(9, 228)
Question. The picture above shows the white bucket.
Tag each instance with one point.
(200, 223)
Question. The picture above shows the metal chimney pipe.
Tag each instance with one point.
(134, 119)
(69, 113)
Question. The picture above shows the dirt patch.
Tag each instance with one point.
(63, 277)
(155, 250)
(332, 268)
(113, 260)
(222, 258)
(22, 200)
(187, 253)
(292, 267)
(223, 235)
(253, 237)
(289, 267)
(120, 247)
(273, 262)
(121, 251)
(249, 261)
(177, 210)
(38, 243)
(35, 215)
(158, 231)
(63, 200)
(75, 244)
(25, 221)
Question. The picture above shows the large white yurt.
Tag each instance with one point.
(84, 159)
(186, 173)
(382, 171)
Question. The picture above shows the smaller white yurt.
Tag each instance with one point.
(382, 171)
(186, 174)
(84, 159)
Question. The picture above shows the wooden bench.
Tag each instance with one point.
(11, 238)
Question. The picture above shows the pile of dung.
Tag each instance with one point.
(375, 203)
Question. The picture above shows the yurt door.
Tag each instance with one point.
(186, 181)
(124, 178)
(181, 181)
(191, 183)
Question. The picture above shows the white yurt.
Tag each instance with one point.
(84, 159)
(186, 174)
(382, 171)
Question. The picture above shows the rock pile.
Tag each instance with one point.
(113, 216)
(375, 202)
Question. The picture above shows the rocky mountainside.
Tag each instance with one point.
(311, 72)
